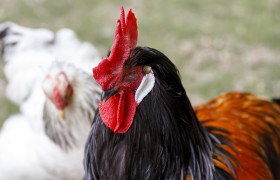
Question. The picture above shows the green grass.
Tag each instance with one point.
(6, 107)
(217, 45)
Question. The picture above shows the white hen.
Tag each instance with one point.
(56, 153)
(39, 143)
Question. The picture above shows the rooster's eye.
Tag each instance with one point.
(146, 69)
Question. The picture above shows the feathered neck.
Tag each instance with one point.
(165, 141)
(72, 131)
(172, 125)
(176, 127)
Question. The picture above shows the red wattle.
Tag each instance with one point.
(118, 111)
(58, 100)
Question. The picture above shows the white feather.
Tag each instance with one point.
(26, 154)
(145, 87)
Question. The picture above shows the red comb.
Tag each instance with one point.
(106, 73)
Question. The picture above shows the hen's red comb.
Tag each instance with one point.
(106, 73)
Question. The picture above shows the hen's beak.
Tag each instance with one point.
(106, 94)
(62, 114)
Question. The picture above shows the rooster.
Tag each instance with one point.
(146, 127)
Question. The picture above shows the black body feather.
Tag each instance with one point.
(277, 101)
(165, 141)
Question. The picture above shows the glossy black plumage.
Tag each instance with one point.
(165, 141)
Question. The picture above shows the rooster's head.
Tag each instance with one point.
(124, 83)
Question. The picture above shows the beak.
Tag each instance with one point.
(62, 114)
(107, 94)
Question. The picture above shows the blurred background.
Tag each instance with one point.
(217, 45)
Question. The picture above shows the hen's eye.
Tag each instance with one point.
(146, 69)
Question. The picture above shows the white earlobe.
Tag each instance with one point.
(145, 87)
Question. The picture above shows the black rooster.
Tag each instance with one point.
(146, 127)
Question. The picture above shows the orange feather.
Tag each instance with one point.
(252, 123)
